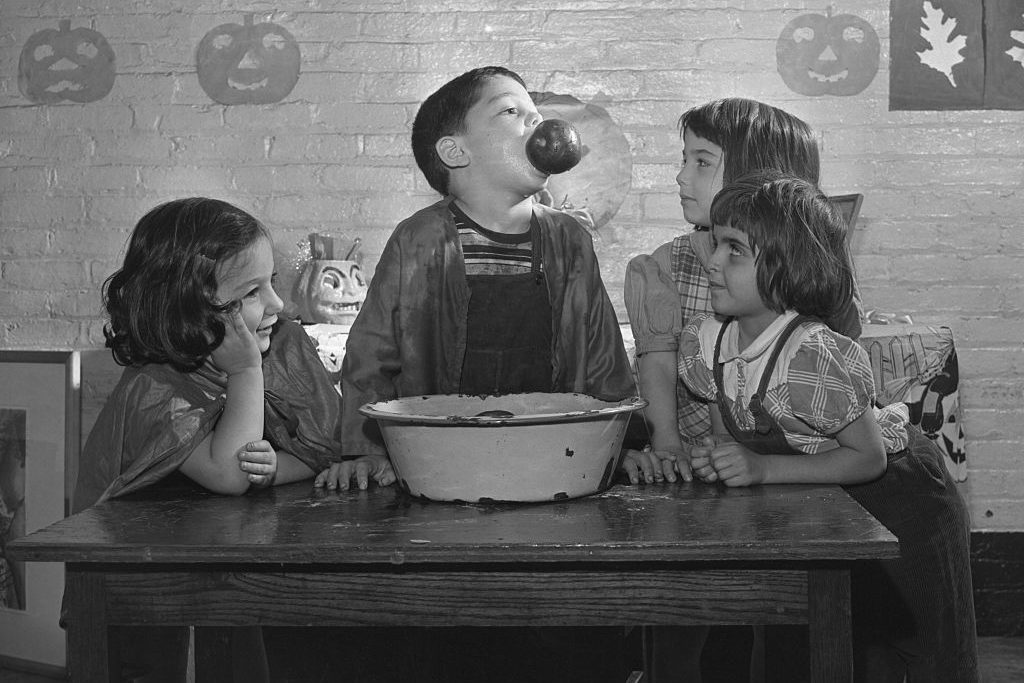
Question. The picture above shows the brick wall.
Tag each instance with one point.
(938, 236)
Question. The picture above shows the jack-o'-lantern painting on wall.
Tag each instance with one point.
(827, 55)
(248, 63)
(330, 290)
(76, 65)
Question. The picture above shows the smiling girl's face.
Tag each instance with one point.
(732, 277)
(248, 278)
(700, 177)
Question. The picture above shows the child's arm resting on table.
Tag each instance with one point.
(656, 319)
(860, 457)
(657, 373)
(340, 474)
(216, 462)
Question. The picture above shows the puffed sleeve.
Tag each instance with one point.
(652, 303)
(830, 381)
(694, 369)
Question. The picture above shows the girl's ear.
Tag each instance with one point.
(451, 152)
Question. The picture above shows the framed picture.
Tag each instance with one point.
(39, 437)
(849, 205)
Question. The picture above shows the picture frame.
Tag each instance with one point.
(849, 206)
(39, 444)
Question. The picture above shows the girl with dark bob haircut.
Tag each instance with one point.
(800, 237)
(793, 402)
(218, 391)
(162, 303)
(754, 135)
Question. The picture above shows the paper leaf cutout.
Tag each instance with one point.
(944, 52)
(1017, 52)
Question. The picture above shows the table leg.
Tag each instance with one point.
(89, 655)
(831, 632)
(230, 653)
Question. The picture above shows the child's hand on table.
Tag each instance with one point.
(653, 465)
(258, 460)
(362, 468)
(725, 460)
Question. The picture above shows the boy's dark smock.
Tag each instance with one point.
(410, 336)
(156, 416)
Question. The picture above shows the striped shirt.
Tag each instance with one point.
(492, 253)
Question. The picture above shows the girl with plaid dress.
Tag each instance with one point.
(722, 139)
(792, 401)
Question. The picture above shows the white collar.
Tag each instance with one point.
(764, 342)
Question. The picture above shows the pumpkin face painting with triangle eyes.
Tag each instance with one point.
(827, 55)
(248, 64)
(66, 64)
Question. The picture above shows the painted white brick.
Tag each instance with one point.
(96, 117)
(310, 148)
(465, 55)
(20, 243)
(361, 56)
(353, 118)
(22, 303)
(373, 179)
(44, 274)
(42, 334)
(409, 26)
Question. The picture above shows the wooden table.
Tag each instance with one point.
(297, 556)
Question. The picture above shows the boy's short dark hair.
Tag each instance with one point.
(755, 135)
(802, 256)
(162, 303)
(444, 113)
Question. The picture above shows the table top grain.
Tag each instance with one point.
(299, 524)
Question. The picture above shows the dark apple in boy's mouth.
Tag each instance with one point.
(554, 147)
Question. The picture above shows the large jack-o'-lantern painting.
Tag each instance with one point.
(248, 63)
(66, 64)
(827, 55)
(595, 188)
(328, 289)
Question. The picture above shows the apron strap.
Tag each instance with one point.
(762, 423)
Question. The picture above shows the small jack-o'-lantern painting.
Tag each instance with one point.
(330, 290)
(827, 55)
(66, 64)
(248, 64)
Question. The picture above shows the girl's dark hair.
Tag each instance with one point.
(162, 303)
(444, 113)
(755, 135)
(802, 257)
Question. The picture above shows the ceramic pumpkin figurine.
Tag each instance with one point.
(330, 290)
(248, 64)
(827, 55)
(66, 64)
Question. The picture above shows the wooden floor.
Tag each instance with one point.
(1002, 661)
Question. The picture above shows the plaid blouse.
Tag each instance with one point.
(821, 382)
(667, 290)
(663, 293)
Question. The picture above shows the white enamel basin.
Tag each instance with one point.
(517, 447)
